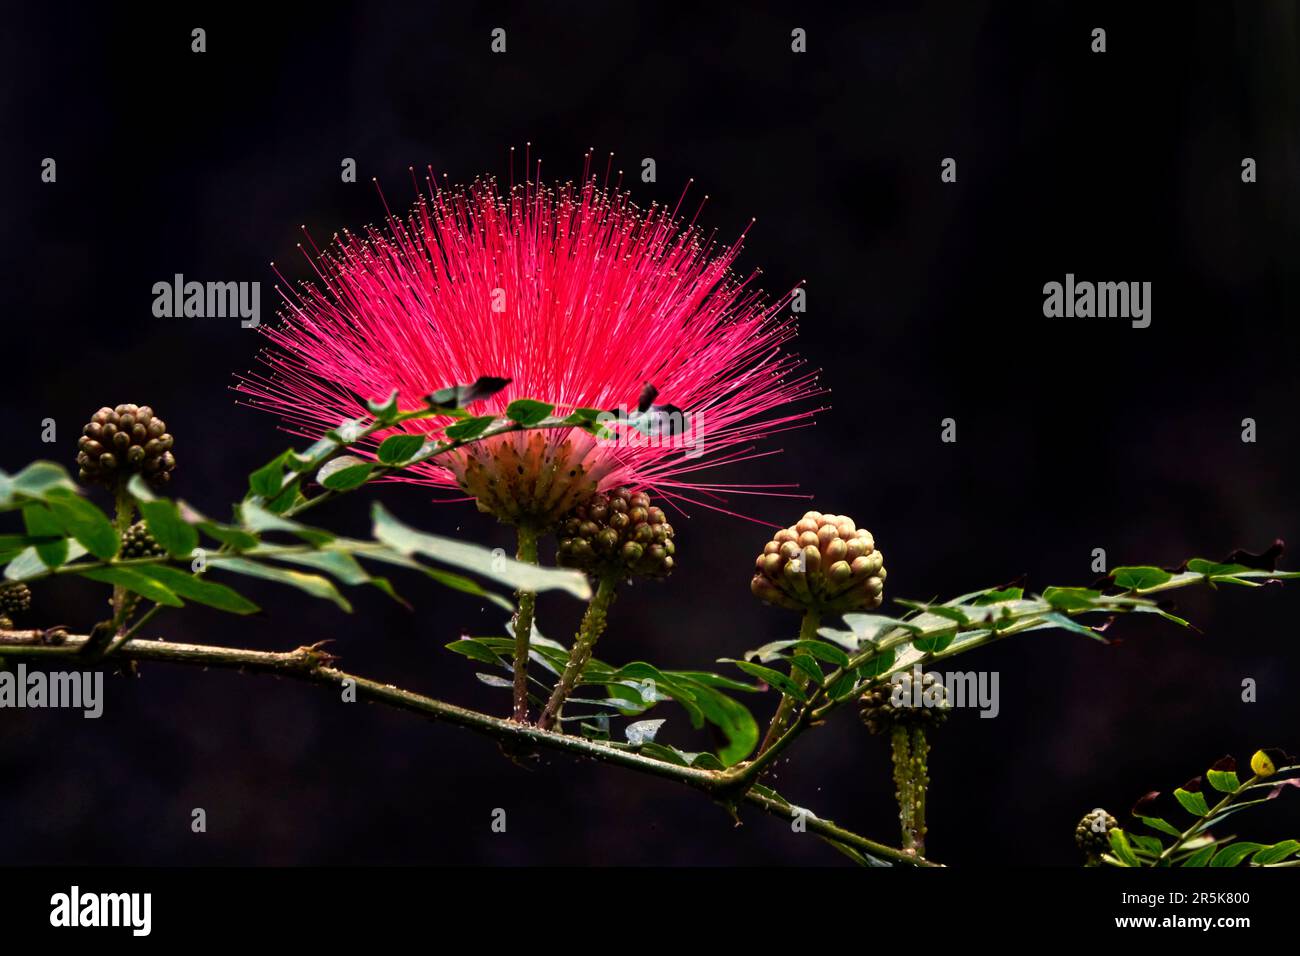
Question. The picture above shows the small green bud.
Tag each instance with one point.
(1092, 834)
(614, 533)
(15, 598)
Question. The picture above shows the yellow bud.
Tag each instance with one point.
(1262, 765)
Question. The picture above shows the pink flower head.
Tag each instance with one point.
(576, 296)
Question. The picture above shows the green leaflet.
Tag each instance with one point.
(517, 575)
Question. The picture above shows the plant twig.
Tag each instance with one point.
(593, 625)
(834, 833)
(526, 604)
(781, 719)
(1201, 821)
(132, 631)
(314, 665)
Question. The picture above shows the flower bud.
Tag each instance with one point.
(823, 562)
(617, 533)
(1092, 835)
(119, 442)
(902, 701)
(137, 542)
(1261, 764)
(15, 598)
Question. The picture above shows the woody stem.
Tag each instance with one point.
(307, 664)
(526, 601)
(909, 749)
(124, 513)
(901, 752)
(920, 784)
(593, 624)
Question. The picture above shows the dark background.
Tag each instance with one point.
(925, 301)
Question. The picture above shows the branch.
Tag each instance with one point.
(1028, 615)
(833, 833)
(974, 633)
(313, 664)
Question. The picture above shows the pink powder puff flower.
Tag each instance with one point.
(576, 296)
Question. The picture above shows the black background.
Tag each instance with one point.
(925, 301)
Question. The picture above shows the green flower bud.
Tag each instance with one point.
(137, 542)
(15, 598)
(616, 533)
(1092, 835)
(901, 701)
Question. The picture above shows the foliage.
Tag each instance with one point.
(1209, 800)
(66, 533)
(204, 560)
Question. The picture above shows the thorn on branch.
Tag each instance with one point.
(313, 655)
(733, 810)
